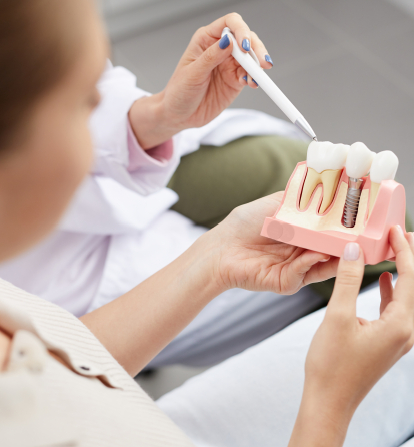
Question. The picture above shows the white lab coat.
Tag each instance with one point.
(118, 229)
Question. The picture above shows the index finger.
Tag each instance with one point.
(237, 26)
(404, 258)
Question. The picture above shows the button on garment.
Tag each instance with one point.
(27, 353)
(27, 417)
(88, 400)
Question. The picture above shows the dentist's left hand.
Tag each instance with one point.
(206, 81)
(246, 260)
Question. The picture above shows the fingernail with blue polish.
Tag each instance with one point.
(246, 45)
(255, 82)
(245, 78)
(268, 59)
(224, 42)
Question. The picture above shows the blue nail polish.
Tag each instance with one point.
(246, 45)
(224, 42)
(255, 82)
(245, 78)
(268, 59)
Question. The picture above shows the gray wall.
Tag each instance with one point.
(127, 17)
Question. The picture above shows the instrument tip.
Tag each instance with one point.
(305, 127)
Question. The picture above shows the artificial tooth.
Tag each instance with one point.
(359, 160)
(384, 167)
(358, 164)
(325, 162)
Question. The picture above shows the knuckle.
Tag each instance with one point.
(238, 211)
(409, 345)
(335, 314)
(208, 56)
(200, 32)
(404, 333)
(348, 276)
(239, 214)
(235, 15)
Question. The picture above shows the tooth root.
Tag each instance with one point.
(373, 195)
(330, 179)
(313, 179)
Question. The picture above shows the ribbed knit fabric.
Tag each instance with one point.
(118, 415)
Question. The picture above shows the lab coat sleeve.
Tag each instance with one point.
(117, 152)
(126, 188)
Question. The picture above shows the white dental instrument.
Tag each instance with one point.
(251, 64)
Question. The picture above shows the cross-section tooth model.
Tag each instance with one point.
(325, 162)
(358, 164)
(331, 200)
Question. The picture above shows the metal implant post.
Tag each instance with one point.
(352, 202)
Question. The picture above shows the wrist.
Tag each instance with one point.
(203, 258)
(149, 122)
(321, 421)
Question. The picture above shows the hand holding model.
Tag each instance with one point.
(348, 355)
(206, 81)
(249, 261)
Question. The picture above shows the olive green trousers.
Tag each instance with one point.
(214, 180)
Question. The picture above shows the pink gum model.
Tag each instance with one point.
(388, 210)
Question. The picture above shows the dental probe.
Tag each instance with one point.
(251, 64)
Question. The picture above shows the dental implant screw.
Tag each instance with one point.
(352, 202)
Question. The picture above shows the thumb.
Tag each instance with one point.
(348, 281)
(212, 57)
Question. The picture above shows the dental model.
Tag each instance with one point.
(341, 194)
(358, 164)
(384, 167)
(325, 162)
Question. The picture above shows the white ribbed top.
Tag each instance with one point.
(99, 414)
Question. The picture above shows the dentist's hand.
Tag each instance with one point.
(247, 260)
(206, 81)
(348, 355)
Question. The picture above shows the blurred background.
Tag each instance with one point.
(348, 65)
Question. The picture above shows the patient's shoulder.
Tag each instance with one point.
(57, 328)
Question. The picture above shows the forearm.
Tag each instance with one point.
(320, 423)
(139, 324)
(149, 122)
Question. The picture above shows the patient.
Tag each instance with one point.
(66, 381)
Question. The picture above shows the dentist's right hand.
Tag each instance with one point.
(348, 355)
(206, 81)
